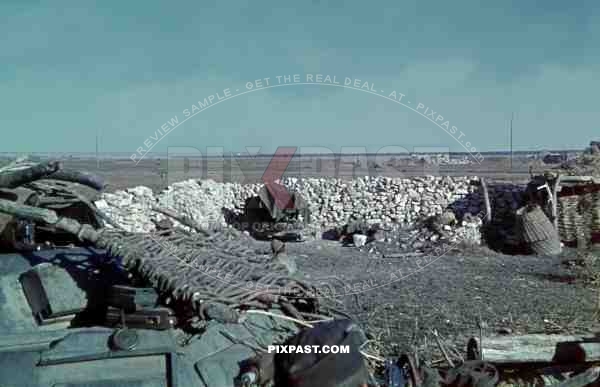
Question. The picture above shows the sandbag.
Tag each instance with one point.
(81, 177)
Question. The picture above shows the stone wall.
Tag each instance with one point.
(333, 202)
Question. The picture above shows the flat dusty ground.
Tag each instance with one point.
(120, 174)
(525, 294)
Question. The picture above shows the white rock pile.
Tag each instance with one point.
(384, 200)
(131, 209)
(333, 202)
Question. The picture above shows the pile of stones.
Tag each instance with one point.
(131, 209)
(384, 200)
(394, 203)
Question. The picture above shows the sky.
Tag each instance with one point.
(125, 69)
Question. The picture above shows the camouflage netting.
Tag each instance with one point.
(201, 268)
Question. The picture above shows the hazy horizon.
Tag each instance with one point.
(154, 155)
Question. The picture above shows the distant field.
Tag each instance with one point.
(124, 173)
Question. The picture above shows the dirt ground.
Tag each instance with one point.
(519, 294)
(451, 293)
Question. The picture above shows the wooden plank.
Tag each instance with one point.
(555, 190)
(575, 180)
(540, 348)
(486, 200)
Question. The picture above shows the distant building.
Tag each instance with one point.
(443, 158)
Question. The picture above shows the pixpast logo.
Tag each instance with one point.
(277, 166)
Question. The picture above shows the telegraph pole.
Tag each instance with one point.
(511, 140)
(97, 151)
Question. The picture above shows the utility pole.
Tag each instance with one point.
(511, 140)
(97, 150)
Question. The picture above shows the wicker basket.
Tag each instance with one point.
(537, 230)
(579, 217)
(595, 216)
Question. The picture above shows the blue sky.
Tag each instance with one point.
(125, 68)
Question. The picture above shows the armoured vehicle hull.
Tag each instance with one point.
(79, 349)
